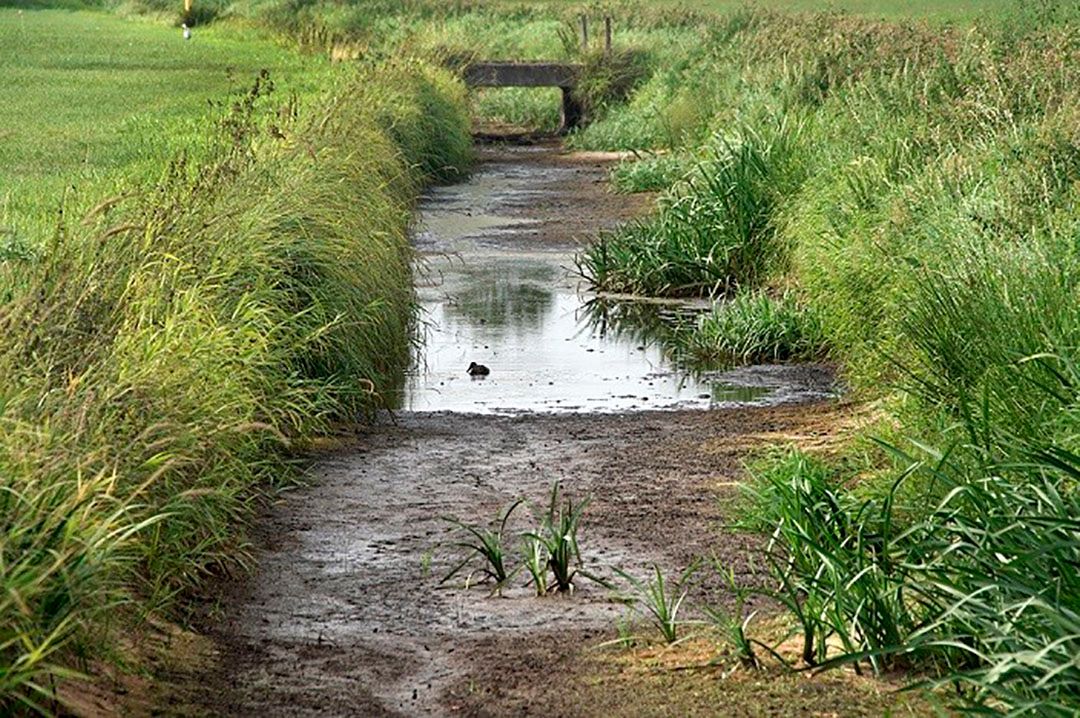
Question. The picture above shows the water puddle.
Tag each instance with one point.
(494, 294)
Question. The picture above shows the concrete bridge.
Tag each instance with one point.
(532, 74)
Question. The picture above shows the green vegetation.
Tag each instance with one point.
(210, 301)
(549, 550)
(661, 599)
(223, 284)
(558, 535)
(713, 232)
(102, 101)
(486, 546)
(754, 327)
(916, 189)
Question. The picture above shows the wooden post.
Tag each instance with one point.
(584, 33)
(187, 8)
(607, 36)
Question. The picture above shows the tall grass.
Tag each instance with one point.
(713, 233)
(982, 588)
(164, 353)
(926, 216)
(754, 327)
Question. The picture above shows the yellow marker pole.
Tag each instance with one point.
(187, 8)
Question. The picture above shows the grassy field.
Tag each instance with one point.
(961, 11)
(101, 98)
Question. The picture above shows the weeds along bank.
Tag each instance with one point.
(163, 354)
(905, 200)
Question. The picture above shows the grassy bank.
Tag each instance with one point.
(215, 298)
(918, 189)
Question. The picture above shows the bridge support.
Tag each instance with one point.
(572, 112)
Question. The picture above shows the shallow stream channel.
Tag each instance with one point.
(355, 608)
(498, 286)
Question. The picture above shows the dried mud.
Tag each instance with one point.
(345, 614)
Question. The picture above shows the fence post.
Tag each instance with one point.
(584, 33)
(607, 36)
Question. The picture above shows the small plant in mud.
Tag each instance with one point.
(624, 629)
(484, 546)
(557, 537)
(535, 554)
(731, 624)
(661, 599)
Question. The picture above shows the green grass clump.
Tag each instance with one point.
(485, 546)
(661, 599)
(557, 537)
(650, 174)
(552, 548)
(163, 352)
(713, 233)
(981, 587)
(754, 327)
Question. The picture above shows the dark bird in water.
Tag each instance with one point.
(477, 369)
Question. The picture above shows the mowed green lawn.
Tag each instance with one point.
(89, 98)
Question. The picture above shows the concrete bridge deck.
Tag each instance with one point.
(563, 75)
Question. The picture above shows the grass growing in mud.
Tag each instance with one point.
(163, 350)
(550, 553)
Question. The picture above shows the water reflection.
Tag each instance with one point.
(642, 322)
(504, 295)
(550, 345)
(523, 317)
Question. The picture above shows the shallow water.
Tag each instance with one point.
(492, 294)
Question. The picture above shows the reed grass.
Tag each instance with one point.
(930, 231)
(753, 327)
(713, 233)
(165, 353)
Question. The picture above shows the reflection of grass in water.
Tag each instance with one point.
(506, 296)
(645, 323)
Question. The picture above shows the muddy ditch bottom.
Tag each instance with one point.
(345, 616)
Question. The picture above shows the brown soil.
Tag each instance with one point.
(345, 615)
